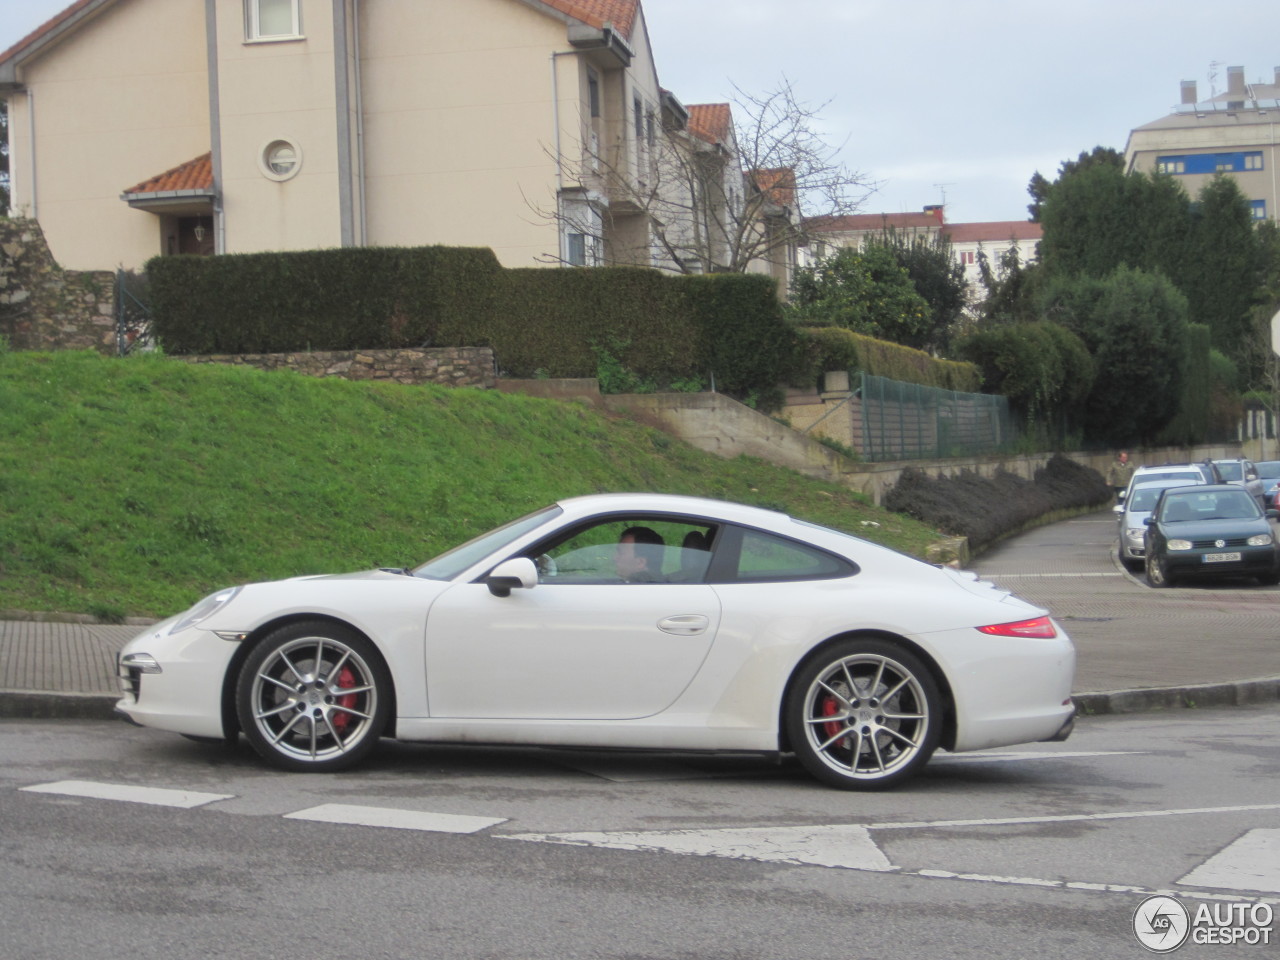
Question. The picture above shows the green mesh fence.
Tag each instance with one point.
(906, 421)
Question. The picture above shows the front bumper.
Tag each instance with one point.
(182, 692)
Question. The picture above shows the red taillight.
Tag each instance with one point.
(1039, 627)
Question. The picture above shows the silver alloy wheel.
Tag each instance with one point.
(869, 717)
(313, 699)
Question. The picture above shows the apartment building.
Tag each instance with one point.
(1232, 132)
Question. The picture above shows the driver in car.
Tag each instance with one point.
(638, 555)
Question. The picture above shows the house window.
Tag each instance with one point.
(1259, 209)
(280, 160)
(576, 249)
(639, 118)
(272, 19)
(593, 93)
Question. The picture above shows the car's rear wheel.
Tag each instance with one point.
(313, 696)
(864, 714)
(1157, 572)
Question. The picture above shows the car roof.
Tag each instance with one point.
(1206, 488)
(672, 503)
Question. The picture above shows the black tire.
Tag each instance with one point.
(1158, 573)
(314, 696)
(843, 729)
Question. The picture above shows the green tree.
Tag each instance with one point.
(1134, 324)
(1222, 281)
(1039, 185)
(1009, 283)
(936, 275)
(1044, 369)
(866, 291)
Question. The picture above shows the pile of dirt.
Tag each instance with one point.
(984, 509)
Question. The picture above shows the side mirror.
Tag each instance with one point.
(518, 573)
(1148, 520)
(1118, 509)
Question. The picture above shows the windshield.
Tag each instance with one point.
(1269, 470)
(452, 562)
(1224, 505)
(1144, 498)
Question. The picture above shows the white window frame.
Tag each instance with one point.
(269, 148)
(252, 23)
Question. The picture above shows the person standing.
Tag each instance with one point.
(1120, 473)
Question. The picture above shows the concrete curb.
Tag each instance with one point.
(41, 705)
(1236, 694)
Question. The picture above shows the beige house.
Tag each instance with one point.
(1233, 132)
(144, 127)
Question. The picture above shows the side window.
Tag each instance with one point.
(764, 557)
(634, 549)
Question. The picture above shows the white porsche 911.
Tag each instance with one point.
(638, 621)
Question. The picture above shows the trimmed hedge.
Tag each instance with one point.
(557, 323)
(359, 298)
(834, 348)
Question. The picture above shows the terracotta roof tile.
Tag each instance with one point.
(778, 183)
(621, 13)
(712, 122)
(865, 222)
(195, 174)
(44, 28)
(997, 231)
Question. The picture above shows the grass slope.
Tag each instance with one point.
(135, 486)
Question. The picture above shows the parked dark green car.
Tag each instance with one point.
(1214, 530)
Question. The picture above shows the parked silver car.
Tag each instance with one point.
(1137, 507)
(1243, 473)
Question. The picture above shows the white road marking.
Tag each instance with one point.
(837, 846)
(1090, 887)
(1068, 817)
(186, 799)
(396, 819)
(990, 755)
(1251, 863)
(1051, 576)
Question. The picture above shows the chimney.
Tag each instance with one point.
(1277, 69)
(1189, 90)
(1235, 82)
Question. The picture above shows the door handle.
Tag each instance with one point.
(684, 625)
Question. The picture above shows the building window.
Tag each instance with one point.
(639, 119)
(593, 93)
(576, 249)
(1210, 163)
(280, 160)
(272, 19)
(1259, 209)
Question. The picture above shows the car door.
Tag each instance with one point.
(582, 644)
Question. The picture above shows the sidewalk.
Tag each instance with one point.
(1138, 648)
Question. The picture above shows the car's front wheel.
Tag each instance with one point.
(1157, 572)
(864, 714)
(313, 696)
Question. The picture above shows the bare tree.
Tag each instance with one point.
(712, 188)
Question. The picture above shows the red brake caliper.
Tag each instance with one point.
(346, 678)
(830, 707)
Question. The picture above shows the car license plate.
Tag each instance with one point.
(1222, 558)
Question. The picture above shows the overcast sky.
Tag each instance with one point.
(955, 99)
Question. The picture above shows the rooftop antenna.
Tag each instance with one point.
(1213, 77)
(942, 189)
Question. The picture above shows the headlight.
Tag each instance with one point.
(1261, 540)
(1133, 533)
(1179, 544)
(205, 609)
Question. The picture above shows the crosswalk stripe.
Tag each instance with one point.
(396, 819)
(155, 796)
(1250, 863)
(838, 846)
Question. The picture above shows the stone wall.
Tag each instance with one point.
(42, 306)
(451, 366)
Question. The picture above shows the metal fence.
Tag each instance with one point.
(133, 314)
(905, 421)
